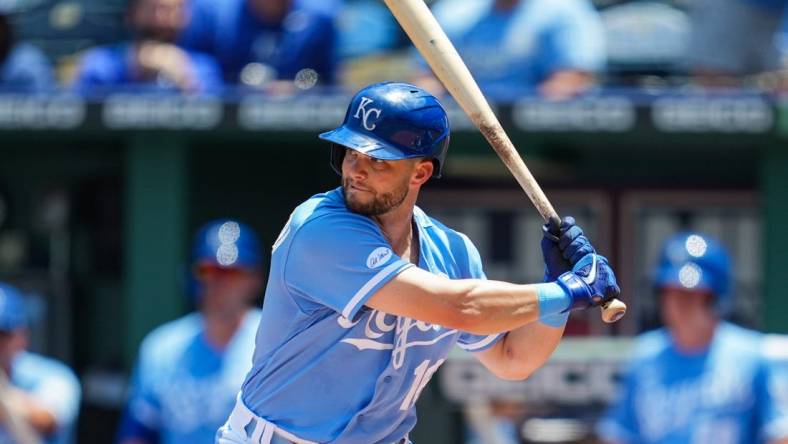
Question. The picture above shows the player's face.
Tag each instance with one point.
(683, 310)
(373, 187)
(160, 20)
(227, 289)
(271, 10)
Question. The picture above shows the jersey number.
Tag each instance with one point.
(422, 374)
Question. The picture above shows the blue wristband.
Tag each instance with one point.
(553, 304)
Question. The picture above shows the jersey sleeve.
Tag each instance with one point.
(772, 396)
(339, 261)
(474, 270)
(98, 67)
(142, 416)
(207, 73)
(59, 392)
(618, 423)
(577, 39)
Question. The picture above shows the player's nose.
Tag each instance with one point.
(358, 167)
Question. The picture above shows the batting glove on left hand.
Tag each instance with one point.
(562, 246)
(590, 283)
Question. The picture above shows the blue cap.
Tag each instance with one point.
(227, 243)
(13, 314)
(695, 261)
(392, 121)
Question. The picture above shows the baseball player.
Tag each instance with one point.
(189, 370)
(367, 294)
(698, 380)
(42, 392)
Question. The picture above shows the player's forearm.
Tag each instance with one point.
(487, 307)
(472, 305)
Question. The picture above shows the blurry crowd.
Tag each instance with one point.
(556, 48)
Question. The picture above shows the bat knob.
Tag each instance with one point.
(613, 310)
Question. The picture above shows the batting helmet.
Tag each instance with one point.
(695, 261)
(226, 243)
(392, 121)
(13, 315)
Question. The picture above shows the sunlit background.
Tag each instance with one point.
(124, 126)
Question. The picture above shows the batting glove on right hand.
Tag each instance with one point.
(562, 246)
(590, 283)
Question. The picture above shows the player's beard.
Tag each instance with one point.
(381, 203)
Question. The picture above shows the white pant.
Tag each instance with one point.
(244, 427)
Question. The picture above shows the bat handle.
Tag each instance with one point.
(612, 310)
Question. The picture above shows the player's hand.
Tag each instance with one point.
(170, 61)
(590, 283)
(562, 246)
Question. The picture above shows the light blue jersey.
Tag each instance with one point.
(53, 386)
(184, 388)
(721, 396)
(326, 367)
(776, 351)
(514, 51)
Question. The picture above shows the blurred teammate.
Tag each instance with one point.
(264, 43)
(151, 60)
(699, 379)
(42, 392)
(23, 67)
(367, 294)
(733, 38)
(516, 46)
(189, 370)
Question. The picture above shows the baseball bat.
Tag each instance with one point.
(427, 35)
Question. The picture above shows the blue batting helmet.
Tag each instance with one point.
(392, 121)
(695, 261)
(228, 244)
(13, 314)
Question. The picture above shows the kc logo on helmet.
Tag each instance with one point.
(364, 114)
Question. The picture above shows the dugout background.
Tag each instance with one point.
(97, 212)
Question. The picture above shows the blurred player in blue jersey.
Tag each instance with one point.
(189, 370)
(43, 392)
(367, 294)
(264, 43)
(511, 47)
(151, 60)
(23, 67)
(776, 351)
(699, 379)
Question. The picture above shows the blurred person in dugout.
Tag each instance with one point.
(732, 39)
(274, 45)
(516, 46)
(699, 379)
(40, 395)
(495, 421)
(190, 370)
(151, 59)
(23, 67)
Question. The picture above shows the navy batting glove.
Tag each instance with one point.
(562, 246)
(590, 283)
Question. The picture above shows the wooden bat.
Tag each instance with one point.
(427, 35)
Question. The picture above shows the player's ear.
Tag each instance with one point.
(422, 171)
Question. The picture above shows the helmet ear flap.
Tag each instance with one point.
(337, 156)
